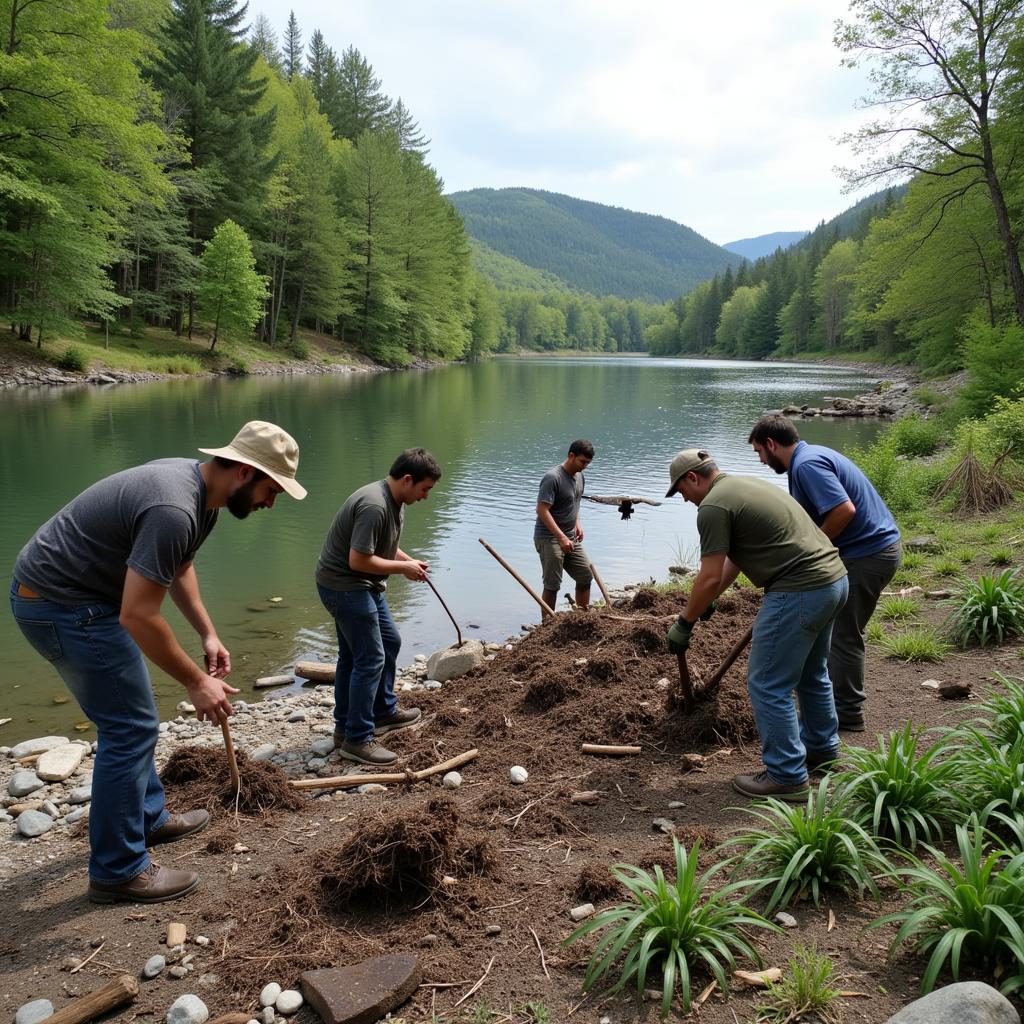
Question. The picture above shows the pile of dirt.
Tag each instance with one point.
(200, 777)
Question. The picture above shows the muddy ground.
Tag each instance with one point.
(426, 870)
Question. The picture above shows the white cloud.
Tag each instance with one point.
(723, 117)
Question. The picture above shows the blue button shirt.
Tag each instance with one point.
(821, 479)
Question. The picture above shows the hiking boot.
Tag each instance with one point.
(822, 760)
(399, 720)
(154, 885)
(370, 752)
(761, 784)
(853, 722)
(178, 826)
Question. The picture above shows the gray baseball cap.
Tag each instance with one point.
(687, 460)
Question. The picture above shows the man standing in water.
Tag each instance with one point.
(87, 594)
(852, 514)
(360, 552)
(751, 526)
(557, 534)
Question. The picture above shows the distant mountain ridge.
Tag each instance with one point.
(604, 250)
(764, 245)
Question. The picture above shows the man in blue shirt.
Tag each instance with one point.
(850, 512)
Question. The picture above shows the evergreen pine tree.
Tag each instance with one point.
(400, 121)
(292, 48)
(263, 39)
(359, 105)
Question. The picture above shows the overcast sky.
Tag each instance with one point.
(722, 116)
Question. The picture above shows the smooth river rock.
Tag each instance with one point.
(188, 1009)
(455, 661)
(34, 823)
(60, 763)
(37, 746)
(34, 1012)
(966, 1002)
(23, 783)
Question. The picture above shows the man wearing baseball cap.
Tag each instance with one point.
(87, 594)
(751, 526)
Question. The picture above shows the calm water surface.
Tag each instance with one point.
(495, 428)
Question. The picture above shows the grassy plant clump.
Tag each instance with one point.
(965, 555)
(898, 609)
(1001, 714)
(946, 566)
(989, 608)
(965, 911)
(915, 645)
(805, 991)
(993, 776)
(671, 928)
(802, 850)
(875, 633)
(901, 791)
(73, 359)
(914, 560)
(1000, 556)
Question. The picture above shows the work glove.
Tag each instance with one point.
(679, 636)
(709, 611)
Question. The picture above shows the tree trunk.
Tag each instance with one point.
(298, 309)
(216, 325)
(1010, 249)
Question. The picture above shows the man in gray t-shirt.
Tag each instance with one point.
(87, 594)
(557, 534)
(360, 552)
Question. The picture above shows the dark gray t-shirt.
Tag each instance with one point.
(371, 522)
(563, 493)
(152, 519)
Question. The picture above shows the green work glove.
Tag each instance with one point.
(709, 611)
(679, 636)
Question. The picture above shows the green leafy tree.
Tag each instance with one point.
(231, 293)
(942, 69)
(833, 289)
(735, 314)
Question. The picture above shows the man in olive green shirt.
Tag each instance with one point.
(751, 526)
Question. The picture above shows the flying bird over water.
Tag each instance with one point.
(624, 502)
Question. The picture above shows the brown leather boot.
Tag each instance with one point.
(370, 752)
(177, 826)
(399, 720)
(154, 885)
(761, 784)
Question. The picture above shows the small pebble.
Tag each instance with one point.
(269, 994)
(34, 1012)
(786, 920)
(517, 775)
(177, 971)
(288, 1002)
(372, 787)
(428, 940)
(452, 780)
(675, 805)
(50, 808)
(493, 929)
(269, 1015)
(264, 752)
(664, 825)
(202, 940)
(582, 912)
(188, 1009)
(34, 823)
(432, 684)
(322, 748)
(154, 965)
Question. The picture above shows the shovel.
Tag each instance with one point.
(712, 684)
(458, 632)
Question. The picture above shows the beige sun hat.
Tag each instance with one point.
(686, 461)
(266, 446)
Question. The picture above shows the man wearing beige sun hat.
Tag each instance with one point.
(87, 594)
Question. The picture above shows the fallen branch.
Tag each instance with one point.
(540, 950)
(612, 751)
(476, 987)
(95, 952)
(318, 671)
(392, 778)
(124, 989)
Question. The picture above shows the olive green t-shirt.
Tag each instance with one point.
(767, 534)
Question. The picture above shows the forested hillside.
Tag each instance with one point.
(593, 248)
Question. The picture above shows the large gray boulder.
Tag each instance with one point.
(967, 1002)
(455, 661)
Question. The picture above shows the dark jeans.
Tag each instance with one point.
(368, 645)
(105, 672)
(868, 578)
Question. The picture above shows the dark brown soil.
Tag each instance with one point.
(423, 870)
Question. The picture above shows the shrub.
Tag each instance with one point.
(965, 915)
(73, 360)
(671, 927)
(803, 850)
(913, 645)
(1001, 715)
(928, 396)
(904, 486)
(299, 348)
(915, 437)
(898, 609)
(994, 359)
(1000, 556)
(993, 775)
(899, 791)
(806, 988)
(989, 608)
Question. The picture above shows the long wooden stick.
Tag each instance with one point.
(600, 584)
(115, 993)
(545, 610)
(236, 782)
(458, 632)
(684, 682)
(712, 684)
(349, 781)
(318, 671)
(602, 748)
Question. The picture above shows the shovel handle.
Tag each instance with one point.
(684, 682)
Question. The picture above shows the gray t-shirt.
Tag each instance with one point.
(371, 522)
(152, 519)
(563, 493)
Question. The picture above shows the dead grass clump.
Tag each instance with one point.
(596, 884)
(200, 777)
(977, 490)
(545, 693)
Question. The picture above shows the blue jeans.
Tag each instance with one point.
(105, 672)
(789, 652)
(368, 646)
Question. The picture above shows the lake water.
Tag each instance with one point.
(495, 428)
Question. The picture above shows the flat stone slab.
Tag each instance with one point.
(37, 746)
(966, 1002)
(455, 661)
(363, 992)
(59, 763)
